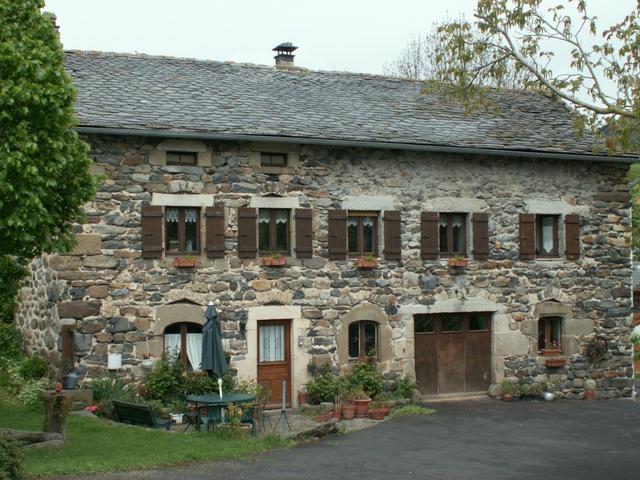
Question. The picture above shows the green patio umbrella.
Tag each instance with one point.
(213, 359)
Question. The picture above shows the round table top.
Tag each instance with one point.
(214, 399)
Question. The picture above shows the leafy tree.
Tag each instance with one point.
(425, 57)
(602, 80)
(44, 166)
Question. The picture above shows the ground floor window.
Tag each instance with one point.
(549, 334)
(363, 339)
(184, 341)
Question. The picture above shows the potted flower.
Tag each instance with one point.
(234, 415)
(376, 410)
(325, 414)
(185, 262)
(458, 262)
(367, 261)
(507, 390)
(147, 360)
(589, 389)
(361, 401)
(536, 391)
(303, 397)
(274, 260)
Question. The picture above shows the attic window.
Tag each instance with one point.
(273, 159)
(181, 158)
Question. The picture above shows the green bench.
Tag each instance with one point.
(137, 414)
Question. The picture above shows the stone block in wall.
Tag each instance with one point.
(314, 263)
(64, 262)
(87, 244)
(82, 342)
(92, 325)
(98, 291)
(78, 309)
(100, 261)
(119, 325)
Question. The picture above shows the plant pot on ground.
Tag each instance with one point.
(348, 411)
(376, 411)
(361, 401)
(507, 390)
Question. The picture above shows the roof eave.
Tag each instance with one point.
(87, 130)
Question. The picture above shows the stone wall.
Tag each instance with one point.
(112, 294)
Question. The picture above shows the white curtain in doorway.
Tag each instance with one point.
(194, 349)
(272, 343)
(172, 344)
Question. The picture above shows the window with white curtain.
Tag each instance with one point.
(183, 341)
(272, 343)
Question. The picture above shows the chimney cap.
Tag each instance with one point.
(285, 48)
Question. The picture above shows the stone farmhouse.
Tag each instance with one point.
(332, 215)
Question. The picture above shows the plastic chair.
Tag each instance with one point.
(213, 416)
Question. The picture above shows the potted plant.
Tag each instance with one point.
(536, 391)
(458, 262)
(147, 360)
(376, 410)
(525, 391)
(507, 390)
(517, 392)
(589, 389)
(361, 401)
(367, 261)
(551, 349)
(185, 262)
(274, 260)
(303, 397)
(234, 415)
(348, 411)
(325, 415)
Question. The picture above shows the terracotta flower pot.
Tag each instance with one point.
(274, 262)
(302, 398)
(337, 414)
(387, 410)
(589, 394)
(376, 413)
(362, 263)
(507, 397)
(348, 411)
(362, 406)
(325, 417)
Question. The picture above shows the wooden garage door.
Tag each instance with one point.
(453, 352)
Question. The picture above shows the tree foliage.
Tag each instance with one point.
(426, 56)
(44, 166)
(601, 81)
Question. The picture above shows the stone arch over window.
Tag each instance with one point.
(552, 314)
(362, 315)
(167, 316)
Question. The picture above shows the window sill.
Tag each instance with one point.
(270, 170)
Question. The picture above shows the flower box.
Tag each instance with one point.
(185, 262)
(555, 362)
(367, 263)
(551, 352)
(458, 262)
(274, 261)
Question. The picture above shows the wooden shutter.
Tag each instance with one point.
(527, 236)
(215, 232)
(247, 233)
(152, 218)
(304, 232)
(430, 247)
(480, 224)
(392, 235)
(337, 234)
(572, 236)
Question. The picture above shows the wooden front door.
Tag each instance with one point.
(274, 359)
(453, 352)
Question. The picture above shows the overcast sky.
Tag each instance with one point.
(351, 35)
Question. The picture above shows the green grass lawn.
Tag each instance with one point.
(96, 445)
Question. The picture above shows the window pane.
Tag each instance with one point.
(458, 233)
(172, 242)
(424, 324)
(354, 340)
(273, 159)
(282, 230)
(547, 234)
(444, 243)
(541, 333)
(263, 231)
(555, 332)
(271, 343)
(368, 232)
(191, 229)
(369, 338)
(478, 322)
(352, 234)
(451, 324)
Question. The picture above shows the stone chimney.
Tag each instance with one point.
(284, 57)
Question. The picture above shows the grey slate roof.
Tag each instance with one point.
(184, 95)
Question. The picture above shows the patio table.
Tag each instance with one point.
(217, 401)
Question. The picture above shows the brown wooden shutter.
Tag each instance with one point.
(572, 236)
(215, 232)
(304, 232)
(392, 235)
(480, 236)
(152, 218)
(337, 234)
(430, 247)
(527, 236)
(247, 233)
